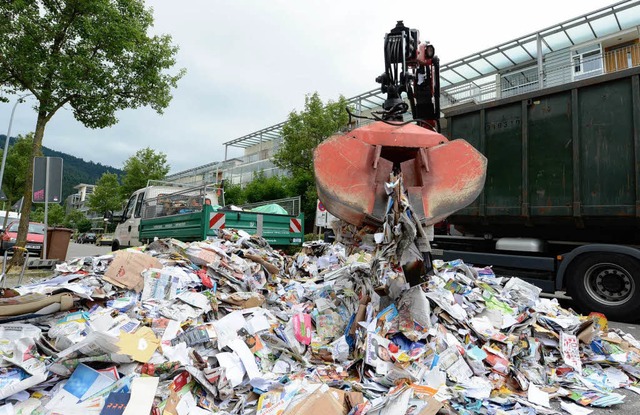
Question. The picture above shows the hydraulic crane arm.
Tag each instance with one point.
(413, 68)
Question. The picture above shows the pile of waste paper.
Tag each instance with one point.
(232, 326)
(368, 325)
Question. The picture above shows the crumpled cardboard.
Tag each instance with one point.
(245, 299)
(587, 332)
(348, 399)
(140, 345)
(268, 266)
(32, 303)
(432, 406)
(126, 268)
(322, 401)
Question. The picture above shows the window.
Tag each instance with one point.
(128, 211)
(139, 204)
(587, 61)
(36, 228)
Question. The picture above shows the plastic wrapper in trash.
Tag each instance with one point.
(17, 348)
(243, 299)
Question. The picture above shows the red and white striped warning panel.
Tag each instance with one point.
(216, 220)
(294, 226)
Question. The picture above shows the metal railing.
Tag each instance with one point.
(527, 80)
(188, 200)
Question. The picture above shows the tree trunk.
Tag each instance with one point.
(28, 189)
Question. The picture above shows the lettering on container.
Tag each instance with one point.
(503, 124)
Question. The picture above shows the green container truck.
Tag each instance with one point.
(277, 229)
(192, 213)
(561, 202)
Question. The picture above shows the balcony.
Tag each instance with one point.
(526, 80)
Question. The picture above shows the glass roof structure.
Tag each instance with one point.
(600, 23)
(509, 55)
(363, 102)
(256, 137)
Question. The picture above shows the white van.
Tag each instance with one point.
(148, 203)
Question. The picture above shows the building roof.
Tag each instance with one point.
(81, 185)
(600, 23)
(202, 169)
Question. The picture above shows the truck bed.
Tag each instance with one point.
(278, 230)
(561, 160)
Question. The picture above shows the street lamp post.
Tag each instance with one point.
(6, 141)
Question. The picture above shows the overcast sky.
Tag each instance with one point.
(251, 62)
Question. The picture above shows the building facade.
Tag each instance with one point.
(79, 201)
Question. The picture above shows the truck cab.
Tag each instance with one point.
(138, 206)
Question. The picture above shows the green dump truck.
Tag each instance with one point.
(193, 214)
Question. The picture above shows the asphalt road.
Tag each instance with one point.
(632, 400)
(77, 250)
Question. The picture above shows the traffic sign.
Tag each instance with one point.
(295, 226)
(47, 179)
(216, 220)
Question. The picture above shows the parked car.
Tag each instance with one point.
(105, 239)
(87, 238)
(35, 237)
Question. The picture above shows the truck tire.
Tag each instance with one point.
(115, 245)
(607, 283)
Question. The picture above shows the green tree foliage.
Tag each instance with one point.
(263, 188)
(106, 196)
(18, 159)
(73, 218)
(97, 57)
(303, 131)
(84, 225)
(301, 134)
(145, 165)
(37, 215)
(55, 215)
(303, 184)
(234, 195)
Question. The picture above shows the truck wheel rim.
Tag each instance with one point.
(609, 284)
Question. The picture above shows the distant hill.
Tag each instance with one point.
(74, 170)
